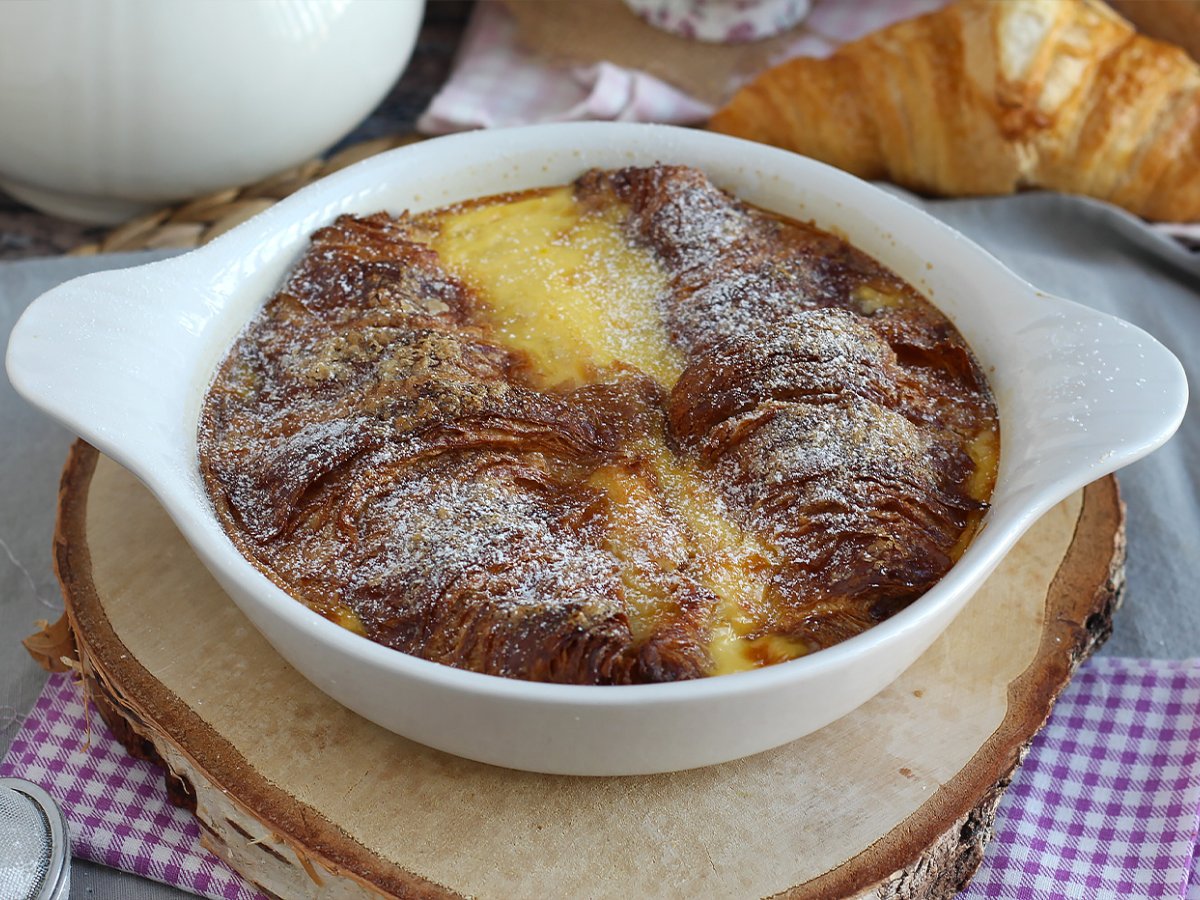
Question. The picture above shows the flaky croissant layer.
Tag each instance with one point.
(993, 96)
(380, 445)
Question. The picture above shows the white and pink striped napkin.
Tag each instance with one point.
(496, 82)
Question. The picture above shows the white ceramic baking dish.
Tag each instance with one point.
(124, 358)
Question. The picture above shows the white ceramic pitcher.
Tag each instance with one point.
(110, 107)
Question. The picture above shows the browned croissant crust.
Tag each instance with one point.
(380, 453)
(817, 434)
(991, 96)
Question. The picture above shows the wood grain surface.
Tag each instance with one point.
(307, 799)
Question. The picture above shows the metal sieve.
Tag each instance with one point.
(35, 849)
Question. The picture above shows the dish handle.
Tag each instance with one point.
(102, 354)
(1098, 393)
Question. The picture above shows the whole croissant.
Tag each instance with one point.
(990, 96)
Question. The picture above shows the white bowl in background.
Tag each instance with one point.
(124, 359)
(113, 107)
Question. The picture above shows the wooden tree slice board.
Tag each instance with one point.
(306, 799)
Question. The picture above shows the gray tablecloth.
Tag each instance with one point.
(1070, 247)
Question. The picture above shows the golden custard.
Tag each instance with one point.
(563, 286)
(581, 302)
(625, 430)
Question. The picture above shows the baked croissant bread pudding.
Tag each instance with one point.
(992, 96)
(627, 430)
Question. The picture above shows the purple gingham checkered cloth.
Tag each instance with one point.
(1107, 803)
(1105, 806)
(116, 806)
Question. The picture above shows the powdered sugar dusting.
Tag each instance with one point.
(740, 449)
(581, 300)
(836, 407)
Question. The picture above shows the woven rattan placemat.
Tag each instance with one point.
(195, 222)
